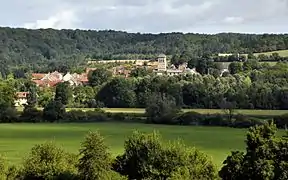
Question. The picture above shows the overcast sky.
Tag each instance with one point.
(203, 16)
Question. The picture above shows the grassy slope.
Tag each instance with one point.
(283, 53)
(17, 139)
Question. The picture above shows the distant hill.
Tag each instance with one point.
(36, 48)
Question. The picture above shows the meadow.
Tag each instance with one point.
(17, 139)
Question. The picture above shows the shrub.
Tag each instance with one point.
(281, 121)
(31, 114)
(47, 161)
(189, 118)
(147, 157)
(95, 160)
(8, 114)
(76, 116)
(96, 116)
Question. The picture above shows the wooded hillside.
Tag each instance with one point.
(38, 47)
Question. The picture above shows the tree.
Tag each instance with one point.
(139, 72)
(235, 67)
(54, 111)
(47, 161)
(161, 109)
(63, 93)
(146, 156)
(228, 108)
(265, 158)
(118, 93)
(95, 160)
(99, 76)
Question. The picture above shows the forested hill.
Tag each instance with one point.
(22, 46)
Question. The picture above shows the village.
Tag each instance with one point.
(118, 68)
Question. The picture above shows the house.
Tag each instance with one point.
(21, 99)
(37, 76)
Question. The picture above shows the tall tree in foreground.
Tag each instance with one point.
(95, 160)
(266, 157)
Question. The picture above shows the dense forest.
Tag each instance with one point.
(42, 48)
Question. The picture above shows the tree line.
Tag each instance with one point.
(44, 50)
(148, 156)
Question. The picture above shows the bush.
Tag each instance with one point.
(147, 157)
(8, 114)
(46, 161)
(76, 116)
(281, 121)
(189, 118)
(31, 114)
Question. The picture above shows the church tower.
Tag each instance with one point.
(162, 62)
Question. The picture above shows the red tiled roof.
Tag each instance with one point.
(38, 75)
(21, 94)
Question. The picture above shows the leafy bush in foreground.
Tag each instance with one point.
(147, 157)
(47, 161)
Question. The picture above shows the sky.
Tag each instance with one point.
(149, 16)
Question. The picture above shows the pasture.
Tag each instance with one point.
(283, 53)
(17, 139)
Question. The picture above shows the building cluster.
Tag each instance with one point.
(163, 68)
(52, 79)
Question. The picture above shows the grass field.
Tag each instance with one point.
(204, 111)
(283, 53)
(17, 139)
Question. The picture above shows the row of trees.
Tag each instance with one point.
(147, 156)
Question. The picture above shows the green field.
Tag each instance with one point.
(204, 111)
(283, 53)
(17, 139)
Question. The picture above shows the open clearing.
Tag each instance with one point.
(202, 111)
(17, 139)
(283, 53)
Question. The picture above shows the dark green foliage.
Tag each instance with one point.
(8, 114)
(99, 76)
(161, 109)
(31, 114)
(95, 160)
(265, 158)
(281, 121)
(47, 161)
(63, 93)
(54, 111)
(147, 157)
(139, 72)
(119, 92)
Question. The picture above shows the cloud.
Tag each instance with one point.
(207, 16)
(62, 20)
(233, 20)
